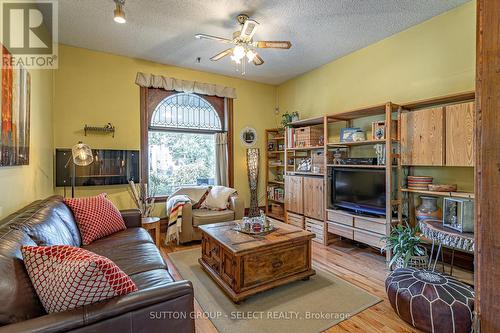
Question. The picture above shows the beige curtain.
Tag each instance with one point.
(221, 160)
(168, 83)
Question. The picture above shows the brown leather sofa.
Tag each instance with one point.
(160, 305)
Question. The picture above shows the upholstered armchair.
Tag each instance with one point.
(192, 218)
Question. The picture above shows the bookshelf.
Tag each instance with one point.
(275, 172)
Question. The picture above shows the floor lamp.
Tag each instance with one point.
(253, 180)
(81, 155)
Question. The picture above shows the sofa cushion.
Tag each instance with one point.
(218, 198)
(96, 217)
(18, 298)
(50, 222)
(125, 237)
(205, 216)
(132, 258)
(152, 279)
(67, 277)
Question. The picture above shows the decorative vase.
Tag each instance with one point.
(428, 209)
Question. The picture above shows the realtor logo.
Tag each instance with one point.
(29, 34)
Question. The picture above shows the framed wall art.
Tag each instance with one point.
(15, 114)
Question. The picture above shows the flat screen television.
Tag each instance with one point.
(358, 189)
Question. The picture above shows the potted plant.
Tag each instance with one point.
(406, 248)
(287, 118)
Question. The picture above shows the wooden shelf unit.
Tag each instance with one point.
(358, 143)
(466, 195)
(275, 136)
(452, 141)
(364, 229)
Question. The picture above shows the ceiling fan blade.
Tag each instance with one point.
(222, 54)
(276, 44)
(248, 30)
(218, 39)
(257, 60)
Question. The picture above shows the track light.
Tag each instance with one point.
(119, 12)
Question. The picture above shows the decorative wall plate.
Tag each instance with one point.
(248, 136)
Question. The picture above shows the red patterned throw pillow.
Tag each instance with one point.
(67, 277)
(96, 217)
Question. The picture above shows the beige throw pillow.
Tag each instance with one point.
(218, 198)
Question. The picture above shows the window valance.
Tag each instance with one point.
(168, 83)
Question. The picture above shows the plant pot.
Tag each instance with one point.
(418, 262)
(428, 209)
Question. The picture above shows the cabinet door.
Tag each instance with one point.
(460, 134)
(422, 137)
(293, 194)
(314, 198)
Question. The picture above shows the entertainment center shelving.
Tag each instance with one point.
(364, 229)
(304, 188)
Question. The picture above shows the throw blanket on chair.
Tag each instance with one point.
(174, 213)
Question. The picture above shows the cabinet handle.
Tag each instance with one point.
(277, 263)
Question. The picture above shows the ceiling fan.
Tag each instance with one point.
(244, 46)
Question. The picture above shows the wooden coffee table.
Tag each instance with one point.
(243, 265)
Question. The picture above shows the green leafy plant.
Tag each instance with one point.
(287, 118)
(404, 243)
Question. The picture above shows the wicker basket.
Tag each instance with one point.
(309, 136)
(317, 160)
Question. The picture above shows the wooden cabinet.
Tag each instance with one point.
(460, 134)
(314, 198)
(294, 194)
(305, 196)
(442, 136)
(422, 137)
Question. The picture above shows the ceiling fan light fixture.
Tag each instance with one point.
(239, 52)
(119, 13)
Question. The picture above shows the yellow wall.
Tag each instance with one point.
(96, 88)
(431, 59)
(21, 185)
(434, 58)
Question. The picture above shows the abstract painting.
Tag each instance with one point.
(15, 114)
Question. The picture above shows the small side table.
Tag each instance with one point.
(152, 224)
(434, 231)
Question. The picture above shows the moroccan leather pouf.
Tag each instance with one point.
(431, 301)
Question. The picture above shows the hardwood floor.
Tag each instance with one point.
(363, 267)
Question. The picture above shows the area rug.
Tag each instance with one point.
(302, 306)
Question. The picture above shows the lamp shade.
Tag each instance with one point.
(82, 154)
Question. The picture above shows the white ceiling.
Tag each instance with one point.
(163, 30)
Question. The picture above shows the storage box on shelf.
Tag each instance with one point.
(310, 136)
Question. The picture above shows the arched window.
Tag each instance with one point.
(181, 130)
(185, 111)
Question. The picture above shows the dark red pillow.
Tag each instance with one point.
(96, 217)
(66, 277)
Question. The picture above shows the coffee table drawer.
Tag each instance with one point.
(210, 252)
(263, 267)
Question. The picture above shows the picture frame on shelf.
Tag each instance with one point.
(347, 134)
